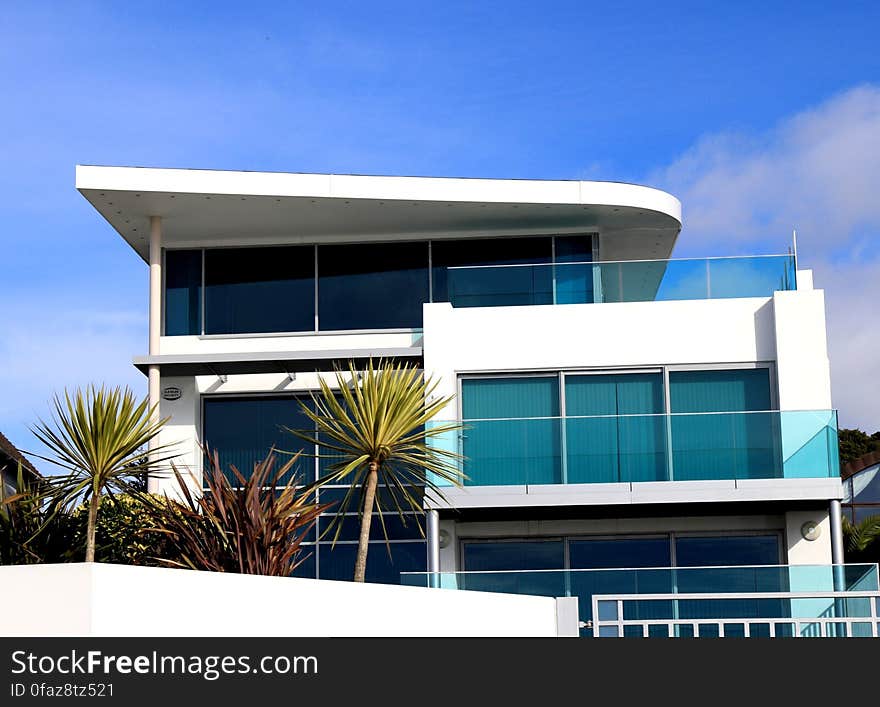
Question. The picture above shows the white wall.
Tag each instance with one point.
(808, 552)
(118, 600)
(803, 370)
(788, 328)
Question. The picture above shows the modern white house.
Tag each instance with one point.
(635, 425)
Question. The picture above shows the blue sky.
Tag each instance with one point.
(759, 116)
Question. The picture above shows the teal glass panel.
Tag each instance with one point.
(861, 629)
(759, 630)
(809, 444)
(486, 282)
(573, 274)
(737, 445)
(749, 276)
(642, 281)
(183, 292)
(517, 451)
(733, 390)
(618, 442)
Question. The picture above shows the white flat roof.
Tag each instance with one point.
(211, 207)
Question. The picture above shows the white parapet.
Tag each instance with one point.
(93, 599)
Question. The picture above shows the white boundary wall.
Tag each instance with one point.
(117, 600)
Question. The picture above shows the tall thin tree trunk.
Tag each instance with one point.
(91, 527)
(360, 564)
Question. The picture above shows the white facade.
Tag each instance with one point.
(782, 331)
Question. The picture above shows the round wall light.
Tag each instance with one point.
(444, 538)
(811, 530)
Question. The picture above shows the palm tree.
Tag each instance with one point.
(376, 428)
(100, 437)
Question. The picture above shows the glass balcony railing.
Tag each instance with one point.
(633, 448)
(756, 579)
(622, 281)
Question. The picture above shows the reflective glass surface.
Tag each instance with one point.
(372, 285)
(259, 290)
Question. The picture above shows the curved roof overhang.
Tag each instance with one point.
(216, 208)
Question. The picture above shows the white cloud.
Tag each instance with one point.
(817, 171)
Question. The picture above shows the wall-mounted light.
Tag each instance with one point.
(811, 531)
(444, 538)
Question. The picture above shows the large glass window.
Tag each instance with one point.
(614, 432)
(243, 429)
(183, 292)
(606, 553)
(456, 279)
(515, 434)
(740, 441)
(258, 290)
(726, 550)
(489, 560)
(372, 285)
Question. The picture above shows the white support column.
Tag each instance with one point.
(153, 391)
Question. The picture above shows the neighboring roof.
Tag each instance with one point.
(860, 464)
(210, 207)
(11, 453)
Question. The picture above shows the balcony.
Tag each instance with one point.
(623, 281)
(791, 444)
(758, 600)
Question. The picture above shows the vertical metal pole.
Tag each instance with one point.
(155, 331)
(836, 532)
(432, 531)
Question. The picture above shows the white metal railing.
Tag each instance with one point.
(826, 624)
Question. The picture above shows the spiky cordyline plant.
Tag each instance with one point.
(375, 426)
(100, 438)
(255, 526)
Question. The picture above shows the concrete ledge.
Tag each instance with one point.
(646, 492)
(119, 600)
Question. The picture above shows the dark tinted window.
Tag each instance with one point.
(483, 287)
(727, 551)
(256, 290)
(372, 286)
(242, 430)
(514, 555)
(626, 553)
(183, 285)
